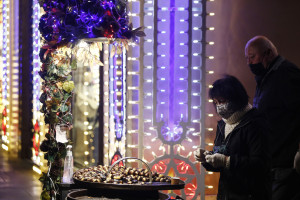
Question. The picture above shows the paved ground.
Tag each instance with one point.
(17, 179)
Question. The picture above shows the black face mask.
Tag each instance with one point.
(257, 69)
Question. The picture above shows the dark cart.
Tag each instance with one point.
(148, 190)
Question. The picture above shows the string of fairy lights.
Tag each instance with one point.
(134, 84)
(209, 58)
(117, 105)
(5, 79)
(38, 122)
(1, 60)
(147, 70)
(106, 103)
(14, 79)
(10, 80)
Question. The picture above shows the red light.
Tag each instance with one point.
(36, 138)
(190, 189)
(160, 167)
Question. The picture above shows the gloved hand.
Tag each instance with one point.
(297, 162)
(200, 154)
(216, 160)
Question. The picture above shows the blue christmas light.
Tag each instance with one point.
(66, 21)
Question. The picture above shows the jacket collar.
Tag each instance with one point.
(244, 121)
(276, 63)
(238, 115)
(273, 67)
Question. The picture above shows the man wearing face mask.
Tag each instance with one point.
(241, 151)
(277, 97)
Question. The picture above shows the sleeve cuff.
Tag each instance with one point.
(227, 166)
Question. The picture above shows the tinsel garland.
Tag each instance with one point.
(62, 26)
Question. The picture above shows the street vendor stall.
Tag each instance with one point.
(115, 98)
(118, 181)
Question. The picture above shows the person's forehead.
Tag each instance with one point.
(251, 51)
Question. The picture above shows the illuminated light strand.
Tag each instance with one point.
(211, 72)
(106, 104)
(37, 116)
(6, 71)
(117, 104)
(90, 70)
(12, 68)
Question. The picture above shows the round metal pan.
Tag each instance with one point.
(107, 195)
(137, 186)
